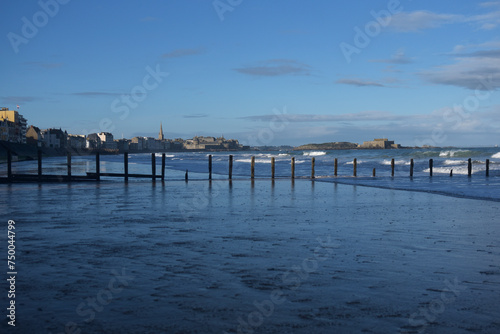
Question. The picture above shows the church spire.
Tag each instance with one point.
(160, 136)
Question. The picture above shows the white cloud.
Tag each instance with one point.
(275, 67)
(183, 53)
(349, 117)
(359, 82)
(398, 58)
(457, 128)
(421, 19)
(490, 4)
(487, 21)
(479, 70)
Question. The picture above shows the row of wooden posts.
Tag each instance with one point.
(335, 167)
(126, 175)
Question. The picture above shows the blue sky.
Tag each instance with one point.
(263, 72)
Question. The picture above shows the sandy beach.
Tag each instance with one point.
(200, 257)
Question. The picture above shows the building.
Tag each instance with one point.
(161, 136)
(211, 143)
(177, 144)
(381, 143)
(5, 130)
(93, 142)
(122, 145)
(107, 141)
(34, 136)
(137, 144)
(54, 138)
(13, 126)
(77, 142)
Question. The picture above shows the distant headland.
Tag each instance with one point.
(378, 143)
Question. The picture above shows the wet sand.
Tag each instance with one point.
(196, 257)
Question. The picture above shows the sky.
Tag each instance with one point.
(264, 72)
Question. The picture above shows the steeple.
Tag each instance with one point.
(160, 136)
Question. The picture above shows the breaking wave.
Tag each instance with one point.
(396, 162)
(315, 153)
(457, 153)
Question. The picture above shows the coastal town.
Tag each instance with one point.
(14, 129)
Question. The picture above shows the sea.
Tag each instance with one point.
(446, 162)
(333, 254)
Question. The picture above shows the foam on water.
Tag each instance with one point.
(357, 162)
(496, 155)
(446, 170)
(315, 153)
(260, 161)
(396, 162)
(457, 153)
(166, 155)
(454, 162)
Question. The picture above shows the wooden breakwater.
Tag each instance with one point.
(155, 175)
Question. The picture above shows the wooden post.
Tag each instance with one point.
(69, 165)
(487, 167)
(230, 167)
(313, 162)
(153, 166)
(252, 167)
(412, 164)
(125, 165)
(210, 167)
(272, 167)
(373, 172)
(469, 167)
(186, 177)
(392, 167)
(335, 167)
(431, 164)
(355, 167)
(163, 167)
(9, 164)
(97, 166)
(39, 164)
(293, 167)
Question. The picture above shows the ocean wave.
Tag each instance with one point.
(424, 154)
(315, 153)
(446, 170)
(260, 161)
(457, 153)
(396, 162)
(496, 155)
(166, 155)
(357, 161)
(454, 162)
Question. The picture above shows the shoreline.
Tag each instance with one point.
(195, 257)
